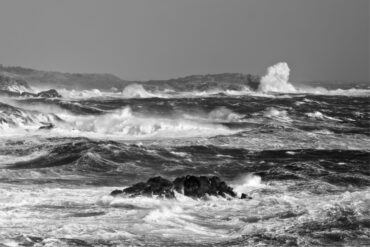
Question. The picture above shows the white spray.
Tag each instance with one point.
(276, 79)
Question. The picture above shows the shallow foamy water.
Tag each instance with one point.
(277, 214)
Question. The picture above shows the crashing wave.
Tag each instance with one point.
(77, 94)
(276, 79)
(13, 118)
(247, 183)
(136, 91)
(124, 123)
(121, 123)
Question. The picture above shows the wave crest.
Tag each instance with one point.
(126, 124)
(12, 117)
(121, 124)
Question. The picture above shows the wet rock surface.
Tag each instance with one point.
(192, 186)
(52, 93)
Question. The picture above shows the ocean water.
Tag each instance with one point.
(302, 157)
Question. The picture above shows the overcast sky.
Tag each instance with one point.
(158, 39)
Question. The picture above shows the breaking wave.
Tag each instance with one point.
(13, 117)
(126, 124)
(121, 123)
(137, 91)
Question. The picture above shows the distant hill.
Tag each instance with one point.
(62, 80)
(230, 81)
(51, 79)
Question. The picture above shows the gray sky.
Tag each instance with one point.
(158, 39)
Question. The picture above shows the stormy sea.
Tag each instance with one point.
(297, 158)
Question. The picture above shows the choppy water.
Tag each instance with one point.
(303, 158)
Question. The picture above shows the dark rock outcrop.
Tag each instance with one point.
(52, 93)
(47, 126)
(154, 186)
(192, 186)
(116, 192)
(197, 187)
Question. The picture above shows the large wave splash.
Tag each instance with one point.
(277, 79)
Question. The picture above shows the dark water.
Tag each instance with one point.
(304, 160)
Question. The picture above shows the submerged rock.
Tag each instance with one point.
(157, 186)
(192, 186)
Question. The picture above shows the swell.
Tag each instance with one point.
(106, 162)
